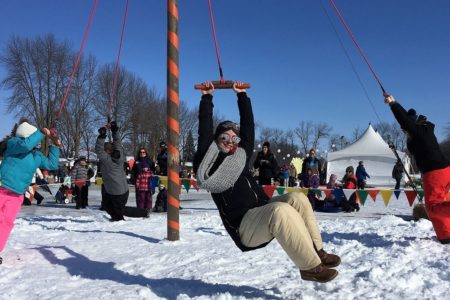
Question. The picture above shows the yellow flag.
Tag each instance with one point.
(386, 194)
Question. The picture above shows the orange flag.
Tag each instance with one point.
(373, 194)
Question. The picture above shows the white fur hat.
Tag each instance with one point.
(25, 130)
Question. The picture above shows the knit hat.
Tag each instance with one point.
(412, 114)
(24, 130)
(225, 126)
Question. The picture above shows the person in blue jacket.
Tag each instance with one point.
(21, 158)
(361, 175)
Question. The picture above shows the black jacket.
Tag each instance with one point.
(422, 142)
(162, 162)
(245, 194)
(266, 170)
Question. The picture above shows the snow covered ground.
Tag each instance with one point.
(57, 252)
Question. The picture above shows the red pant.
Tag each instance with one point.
(436, 185)
(10, 204)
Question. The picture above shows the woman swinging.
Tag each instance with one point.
(249, 216)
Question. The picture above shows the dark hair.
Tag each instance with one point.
(139, 152)
(266, 144)
(349, 169)
(225, 126)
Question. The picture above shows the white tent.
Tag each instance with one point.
(377, 156)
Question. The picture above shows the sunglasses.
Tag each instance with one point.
(142, 152)
(226, 138)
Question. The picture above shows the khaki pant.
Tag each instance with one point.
(290, 219)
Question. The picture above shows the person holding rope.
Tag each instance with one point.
(434, 166)
(112, 158)
(249, 216)
(20, 161)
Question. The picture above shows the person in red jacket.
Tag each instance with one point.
(350, 182)
(434, 166)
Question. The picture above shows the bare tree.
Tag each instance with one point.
(310, 134)
(357, 133)
(37, 71)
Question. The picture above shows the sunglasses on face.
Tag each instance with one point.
(226, 138)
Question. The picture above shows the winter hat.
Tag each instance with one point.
(266, 144)
(24, 130)
(225, 126)
(412, 113)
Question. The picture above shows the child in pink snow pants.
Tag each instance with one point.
(21, 158)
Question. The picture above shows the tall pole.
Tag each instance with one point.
(173, 125)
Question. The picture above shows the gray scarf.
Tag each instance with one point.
(226, 174)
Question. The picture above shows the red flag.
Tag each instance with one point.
(373, 194)
(269, 189)
(411, 195)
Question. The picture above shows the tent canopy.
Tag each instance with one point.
(378, 159)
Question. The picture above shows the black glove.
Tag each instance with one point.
(102, 132)
(114, 127)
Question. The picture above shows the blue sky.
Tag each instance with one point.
(287, 50)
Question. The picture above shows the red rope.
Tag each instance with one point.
(347, 28)
(116, 68)
(215, 41)
(77, 62)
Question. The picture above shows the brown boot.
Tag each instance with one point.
(329, 260)
(319, 274)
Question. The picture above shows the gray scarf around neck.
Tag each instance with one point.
(226, 174)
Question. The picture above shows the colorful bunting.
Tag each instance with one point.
(186, 182)
(339, 194)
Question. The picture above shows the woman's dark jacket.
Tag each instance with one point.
(245, 194)
(422, 142)
(266, 170)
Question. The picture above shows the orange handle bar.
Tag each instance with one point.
(227, 84)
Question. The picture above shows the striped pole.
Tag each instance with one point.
(173, 126)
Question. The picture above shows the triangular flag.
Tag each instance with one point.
(194, 184)
(280, 190)
(362, 196)
(290, 190)
(411, 196)
(318, 193)
(348, 193)
(327, 193)
(186, 183)
(304, 191)
(420, 193)
(397, 193)
(386, 194)
(373, 194)
(269, 189)
(338, 194)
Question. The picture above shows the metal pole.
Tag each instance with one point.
(173, 126)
